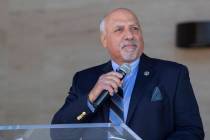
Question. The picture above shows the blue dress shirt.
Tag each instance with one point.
(127, 86)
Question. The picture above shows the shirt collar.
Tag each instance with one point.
(133, 65)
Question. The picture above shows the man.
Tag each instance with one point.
(158, 100)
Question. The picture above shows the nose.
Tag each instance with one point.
(129, 35)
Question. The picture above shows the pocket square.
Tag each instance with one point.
(156, 95)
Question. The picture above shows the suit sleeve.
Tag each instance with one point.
(188, 124)
(75, 104)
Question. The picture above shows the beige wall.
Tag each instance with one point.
(44, 42)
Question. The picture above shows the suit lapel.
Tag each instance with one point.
(145, 81)
(142, 85)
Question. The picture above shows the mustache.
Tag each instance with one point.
(130, 43)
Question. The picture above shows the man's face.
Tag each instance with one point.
(122, 37)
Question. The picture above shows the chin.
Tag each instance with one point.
(130, 58)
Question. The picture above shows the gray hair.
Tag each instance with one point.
(102, 22)
(102, 25)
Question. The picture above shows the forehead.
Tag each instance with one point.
(121, 18)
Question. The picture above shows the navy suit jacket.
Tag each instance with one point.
(174, 117)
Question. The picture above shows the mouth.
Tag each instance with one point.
(129, 47)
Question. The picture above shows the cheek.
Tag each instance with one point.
(114, 51)
(140, 42)
(115, 41)
(139, 38)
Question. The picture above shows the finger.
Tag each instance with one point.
(113, 73)
(113, 79)
(109, 78)
(110, 89)
(112, 83)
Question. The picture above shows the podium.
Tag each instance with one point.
(88, 131)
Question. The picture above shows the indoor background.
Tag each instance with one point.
(44, 42)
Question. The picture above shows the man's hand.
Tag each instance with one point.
(109, 81)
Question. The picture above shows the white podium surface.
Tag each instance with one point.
(90, 131)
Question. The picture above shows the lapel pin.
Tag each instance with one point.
(146, 73)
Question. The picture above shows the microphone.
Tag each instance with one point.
(104, 96)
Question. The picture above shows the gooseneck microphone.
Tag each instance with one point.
(104, 96)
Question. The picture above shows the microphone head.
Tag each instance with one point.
(125, 68)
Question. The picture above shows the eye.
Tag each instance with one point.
(118, 30)
(135, 28)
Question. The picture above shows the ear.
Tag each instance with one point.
(103, 40)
